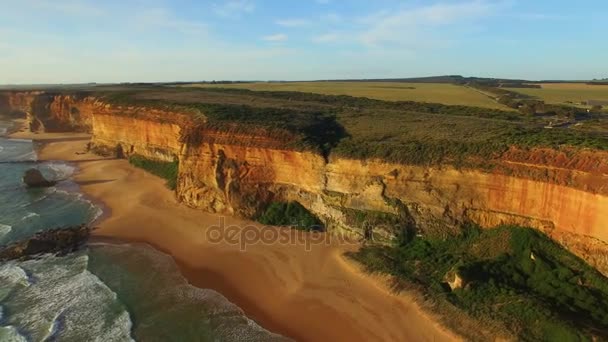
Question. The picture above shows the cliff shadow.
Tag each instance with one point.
(326, 132)
(93, 182)
(63, 139)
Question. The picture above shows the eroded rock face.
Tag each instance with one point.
(33, 178)
(58, 241)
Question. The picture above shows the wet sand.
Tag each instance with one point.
(315, 295)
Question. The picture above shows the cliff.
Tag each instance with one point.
(50, 112)
(236, 171)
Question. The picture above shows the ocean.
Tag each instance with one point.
(107, 292)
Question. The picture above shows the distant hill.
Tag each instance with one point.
(455, 79)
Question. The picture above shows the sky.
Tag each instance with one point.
(79, 41)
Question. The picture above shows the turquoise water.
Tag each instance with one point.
(108, 292)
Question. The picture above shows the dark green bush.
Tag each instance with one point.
(516, 276)
(163, 169)
(291, 214)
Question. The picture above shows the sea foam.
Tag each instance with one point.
(60, 170)
(66, 303)
(4, 229)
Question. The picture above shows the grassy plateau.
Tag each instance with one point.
(564, 93)
(443, 93)
(398, 131)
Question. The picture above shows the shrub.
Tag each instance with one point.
(551, 296)
(291, 214)
(163, 169)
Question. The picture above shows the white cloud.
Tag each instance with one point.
(293, 22)
(234, 8)
(538, 16)
(161, 17)
(332, 18)
(279, 37)
(327, 38)
(414, 25)
(70, 7)
(329, 18)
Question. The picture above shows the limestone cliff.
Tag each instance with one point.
(51, 112)
(238, 172)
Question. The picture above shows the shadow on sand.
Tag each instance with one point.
(58, 140)
(93, 182)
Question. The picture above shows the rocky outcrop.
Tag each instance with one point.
(239, 171)
(454, 280)
(57, 241)
(33, 178)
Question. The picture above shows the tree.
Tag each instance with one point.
(596, 108)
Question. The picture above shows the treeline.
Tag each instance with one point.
(491, 83)
(520, 85)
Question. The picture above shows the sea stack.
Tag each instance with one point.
(33, 178)
(56, 241)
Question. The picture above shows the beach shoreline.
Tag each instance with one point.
(302, 291)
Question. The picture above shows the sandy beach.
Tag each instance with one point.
(315, 295)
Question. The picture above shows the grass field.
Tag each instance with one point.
(389, 91)
(561, 93)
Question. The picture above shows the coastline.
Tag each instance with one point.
(307, 295)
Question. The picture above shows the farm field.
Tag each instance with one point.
(562, 93)
(389, 91)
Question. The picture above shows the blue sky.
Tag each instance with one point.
(70, 41)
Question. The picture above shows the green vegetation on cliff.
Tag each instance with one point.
(355, 127)
(402, 132)
(291, 214)
(360, 103)
(514, 280)
(165, 170)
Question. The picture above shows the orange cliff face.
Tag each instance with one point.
(133, 135)
(17, 104)
(436, 196)
(50, 112)
(562, 193)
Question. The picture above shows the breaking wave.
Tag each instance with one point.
(65, 302)
(5, 229)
